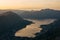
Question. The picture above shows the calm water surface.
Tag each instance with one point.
(34, 28)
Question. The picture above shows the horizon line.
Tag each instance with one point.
(30, 9)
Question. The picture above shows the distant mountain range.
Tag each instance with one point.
(42, 14)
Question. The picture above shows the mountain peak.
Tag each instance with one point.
(7, 13)
(47, 9)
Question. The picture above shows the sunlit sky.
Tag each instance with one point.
(29, 4)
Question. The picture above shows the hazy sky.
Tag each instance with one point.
(29, 4)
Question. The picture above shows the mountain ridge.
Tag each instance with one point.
(42, 14)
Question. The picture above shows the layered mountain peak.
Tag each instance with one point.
(47, 10)
(8, 13)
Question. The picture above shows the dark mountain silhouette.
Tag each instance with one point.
(10, 22)
(50, 31)
(42, 14)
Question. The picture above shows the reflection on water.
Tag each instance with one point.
(32, 29)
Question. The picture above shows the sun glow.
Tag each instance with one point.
(29, 4)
